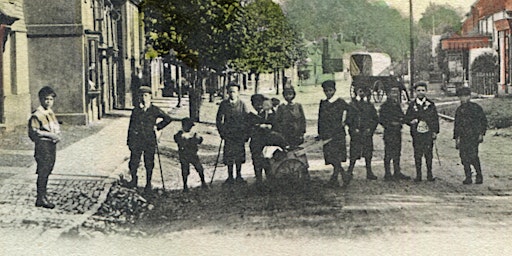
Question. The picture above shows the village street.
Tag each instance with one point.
(367, 218)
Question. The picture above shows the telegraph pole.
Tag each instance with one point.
(411, 38)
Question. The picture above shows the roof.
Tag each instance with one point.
(457, 42)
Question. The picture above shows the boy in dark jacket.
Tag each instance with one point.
(362, 120)
(422, 116)
(44, 131)
(260, 125)
(468, 132)
(331, 125)
(141, 135)
(391, 117)
(232, 126)
(188, 142)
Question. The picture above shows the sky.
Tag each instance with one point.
(419, 6)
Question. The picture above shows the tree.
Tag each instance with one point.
(371, 24)
(439, 19)
(270, 42)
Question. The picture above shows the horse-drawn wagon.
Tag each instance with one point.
(372, 72)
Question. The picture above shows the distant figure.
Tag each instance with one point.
(290, 120)
(331, 125)
(44, 131)
(362, 120)
(391, 117)
(468, 132)
(136, 80)
(422, 116)
(188, 142)
(142, 137)
(232, 127)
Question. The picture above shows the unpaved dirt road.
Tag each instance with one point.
(367, 218)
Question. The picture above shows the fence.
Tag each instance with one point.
(484, 83)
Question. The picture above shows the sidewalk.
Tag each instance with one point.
(83, 174)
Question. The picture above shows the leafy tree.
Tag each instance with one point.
(203, 33)
(270, 42)
(439, 19)
(372, 24)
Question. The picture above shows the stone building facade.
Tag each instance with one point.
(87, 50)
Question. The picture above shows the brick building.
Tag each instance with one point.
(486, 29)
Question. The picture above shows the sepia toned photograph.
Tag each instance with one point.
(255, 127)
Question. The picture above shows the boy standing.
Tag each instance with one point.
(468, 132)
(290, 120)
(231, 124)
(260, 125)
(391, 117)
(422, 116)
(141, 135)
(331, 125)
(188, 142)
(44, 131)
(362, 120)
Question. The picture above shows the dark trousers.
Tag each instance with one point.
(468, 152)
(149, 162)
(392, 150)
(185, 167)
(45, 155)
(259, 162)
(423, 145)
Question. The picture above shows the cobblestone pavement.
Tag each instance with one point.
(83, 174)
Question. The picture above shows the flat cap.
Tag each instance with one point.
(464, 91)
(144, 89)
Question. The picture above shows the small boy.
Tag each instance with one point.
(290, 120)
(423, 119)
(44, 131)
(391, 117)
(362, 120)
(142, 137)
(468, 132)
(331, 125)
(188, 142)
(232, 127)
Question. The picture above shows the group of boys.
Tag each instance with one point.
(284, 127)
(362, 119)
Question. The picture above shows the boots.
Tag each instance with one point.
(478, 168)
(133, 182)
(387, 170)
(148, 189)
(467, 172)
(369, 173)
(42, 201)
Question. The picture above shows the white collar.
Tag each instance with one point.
(333, 99)
(44, 111)
(421, 101)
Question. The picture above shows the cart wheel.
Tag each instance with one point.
(352, 93)
(378, 91)
(291, 171)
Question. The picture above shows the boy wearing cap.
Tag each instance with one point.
(362, 120)
(232, 127)
(142, 137)
(331, 125)
(188, 142)
(468, 132)
(290, 120)
(44, 131)
(260, 125)
(422, 117)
